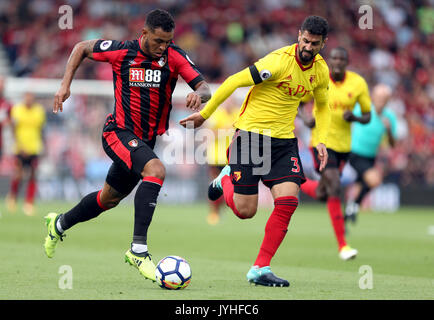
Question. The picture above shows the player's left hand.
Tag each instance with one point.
(322, 155)
(193, 101)
(349, 116)
(196, 119)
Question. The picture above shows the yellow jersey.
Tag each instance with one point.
(28, 124)
(343, 96)
(279, 82)
(222, 124)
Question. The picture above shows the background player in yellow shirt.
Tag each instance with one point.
(265, 127)
(222, 124)
(346, 89)
(28, 120)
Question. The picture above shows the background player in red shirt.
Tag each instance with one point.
(145, 72)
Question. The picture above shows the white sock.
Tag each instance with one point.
(58, 226)
(139, 248)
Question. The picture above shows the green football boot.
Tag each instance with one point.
(142, 262)
(53, 235)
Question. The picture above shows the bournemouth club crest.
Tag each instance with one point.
(133, 143)
(162, 61)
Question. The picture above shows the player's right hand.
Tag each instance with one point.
(60, 97)
(194, 120)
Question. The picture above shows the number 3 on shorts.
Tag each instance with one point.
(295, 166)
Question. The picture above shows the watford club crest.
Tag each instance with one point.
(133, 143)
(236, 175)
(312, 79)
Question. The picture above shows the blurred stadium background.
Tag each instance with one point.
(221, 37)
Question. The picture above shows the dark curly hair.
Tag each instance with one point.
(159, 18)
(315, 25)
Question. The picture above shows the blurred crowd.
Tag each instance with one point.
(224, 36)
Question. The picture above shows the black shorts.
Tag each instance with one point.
(253, 157)
(361, 165)
(30, 161)
(335, 160)
(129, 154)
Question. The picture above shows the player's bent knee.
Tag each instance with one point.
(154, 168)
(248, 209)
(372, 178)
(247, 213)
(246, 205)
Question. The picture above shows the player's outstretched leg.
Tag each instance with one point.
(264, 277)
(143, 262)
(53, 235)
(215, 189)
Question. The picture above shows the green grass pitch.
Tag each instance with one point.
(399, 248)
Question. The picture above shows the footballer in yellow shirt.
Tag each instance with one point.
(346, 89)
(264, 146)
(28, 120)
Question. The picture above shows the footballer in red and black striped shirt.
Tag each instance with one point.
(144, 83)
(145, 72)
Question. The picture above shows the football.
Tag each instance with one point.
(173, 273)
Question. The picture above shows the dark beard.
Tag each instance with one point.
(304, 60)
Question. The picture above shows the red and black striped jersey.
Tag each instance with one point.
(143, 87)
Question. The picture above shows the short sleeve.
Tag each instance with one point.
(186, 67)
(107, 50)
(364, 99)
(266, 68)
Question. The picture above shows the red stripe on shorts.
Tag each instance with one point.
(118, 148)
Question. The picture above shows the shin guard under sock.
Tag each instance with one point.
(88, 208)
(145, 202)
(276, 229)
